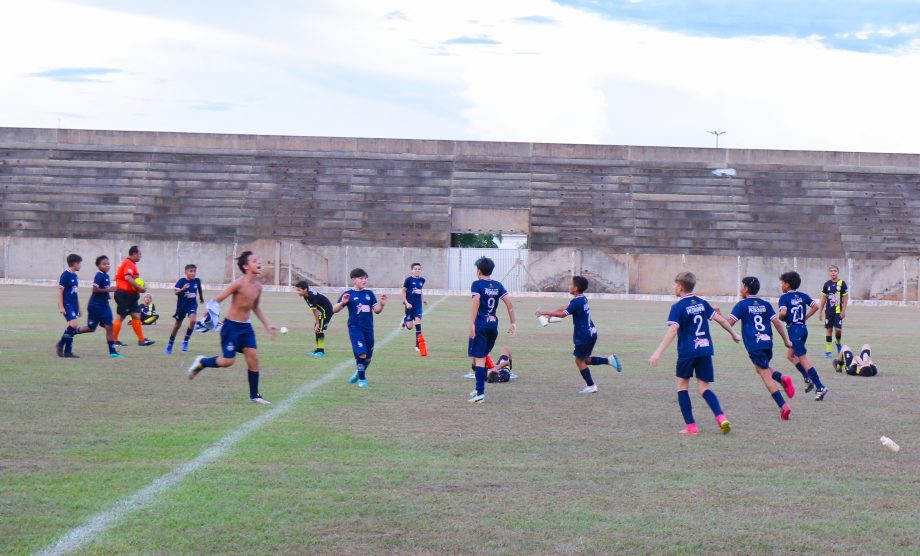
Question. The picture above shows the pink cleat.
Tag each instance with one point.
(723, 424)
(690, 429)
(788, 386)
(784, 412)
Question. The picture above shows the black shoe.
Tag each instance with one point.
(146, 342)
(119, 343)
(59, 349)
(821, 394)
(71, 355)
(809, 386)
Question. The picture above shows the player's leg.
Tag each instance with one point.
(138, 327)
(705, 374)
(252, 375)
(683, 400)
(64, 347)
(359, 349)
(611, 360)
(110, 340)
(820, 389)
(581, 363)
(828, 329)
(192, 320)
(418, 328)
(175, 330)
(229, 340)
(320, 332)
(119, 316)
(479, 347)
(768, 376)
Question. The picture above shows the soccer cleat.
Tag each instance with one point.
(819, 396)
(146, 342)
(788, 386)
(479, 398)
(417, 349)
(474, 393)
(354, 378)
(615, 362)
(690, 429)
(184, 346)
(71, 356)
(260, 400)
(809, 386)
(195, 368)
(119, 343)
(589, 389)
(470, 375)
(116, 356)
(317, 354)
(784, 412)
(724, 424)
(59, 349)
(362, 384)
(168, 350)
(827, 354)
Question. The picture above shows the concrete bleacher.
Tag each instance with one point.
(400, 193)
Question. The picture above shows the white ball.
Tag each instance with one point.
(284, 330)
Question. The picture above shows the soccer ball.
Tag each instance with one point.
(139, 282)
(283, 330)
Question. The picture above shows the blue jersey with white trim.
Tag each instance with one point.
(756, 316)
(489, 292)
(69, 283)
(360, 308)
(691, 315)
(796, 304)
(584, 329)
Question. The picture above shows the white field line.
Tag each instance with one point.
(82, 535)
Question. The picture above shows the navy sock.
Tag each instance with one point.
(111, 348)
(804, 372)
(361, 368)
(778, 398)
(67, 339)
(418, 328)
(188, 334)
(481, 373)
(686, 408)
(253, 377)
(586, 374)
(600, 361)
(777, 376)
(815, 378)
(209, 362)
(713, 402)
(172, 340)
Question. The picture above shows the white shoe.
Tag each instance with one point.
(194, 368)
(470, 375)
(478, 399)
(260, 400)
(417, 349)
(589, 389)
(474, 393)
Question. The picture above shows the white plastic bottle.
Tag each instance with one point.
(889, 443)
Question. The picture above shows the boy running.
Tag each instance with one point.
(188, 292)
(792, 309)
(362, 305)
(412, 299)
(236, 334)
(585, 333)
(69, 306)
(98, 309)
(689, 322)
(322, 314)
(834, 297)
(484, 322)
(756, 316)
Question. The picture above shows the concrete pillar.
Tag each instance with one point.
(904, 282)
(277, 263)
(232, 265)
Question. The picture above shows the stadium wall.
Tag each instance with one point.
(628, 217)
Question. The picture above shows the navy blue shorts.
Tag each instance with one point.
(798, 336)
(415, 312)
(183, 311)
(481, 344)
(362, 341)
(761, 357)
(583, 351)
(833, 321)
(700, 366)
(99, 315)
(71, 312)
(235, 337)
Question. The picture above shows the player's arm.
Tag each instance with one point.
(234, 286)
(665, 342)
(474, 309)
(405, 299)
(728, 328)
(812, 310)
(270, 328)
(844, 296)
(781, 330)
(61, 299)
(378, 307)
(510, 306)
(823, 300)
(200, 291)
(129, 278)
(342, 302)
(559, 313)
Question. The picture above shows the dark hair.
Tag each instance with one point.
(133, 250)
(485, 265)
(358, 273)
(190, 266)
(792, 278)
(303, 284)
(413, 265)
(243, 260)
(687, 280)
(581, 283)
(101, 258)
(73, 259)
(751, 283)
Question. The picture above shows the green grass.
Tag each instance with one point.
(409, 466)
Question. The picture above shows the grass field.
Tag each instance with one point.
(408, 466)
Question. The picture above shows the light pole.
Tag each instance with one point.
(717, 133)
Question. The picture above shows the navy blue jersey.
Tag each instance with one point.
(69, 283)
(413, 288)
(584, 331)
(756, 316)
(102, 282)
(189, 296)
(691, 315)
(489, 292)
(360, 308)
(796, 304)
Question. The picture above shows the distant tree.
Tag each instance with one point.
(481, 241)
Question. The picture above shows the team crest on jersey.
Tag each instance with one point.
(700, 343)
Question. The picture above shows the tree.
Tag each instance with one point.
(481, 241)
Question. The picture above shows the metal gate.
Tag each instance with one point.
(510, 267)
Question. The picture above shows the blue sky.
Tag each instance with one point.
(775, 74)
